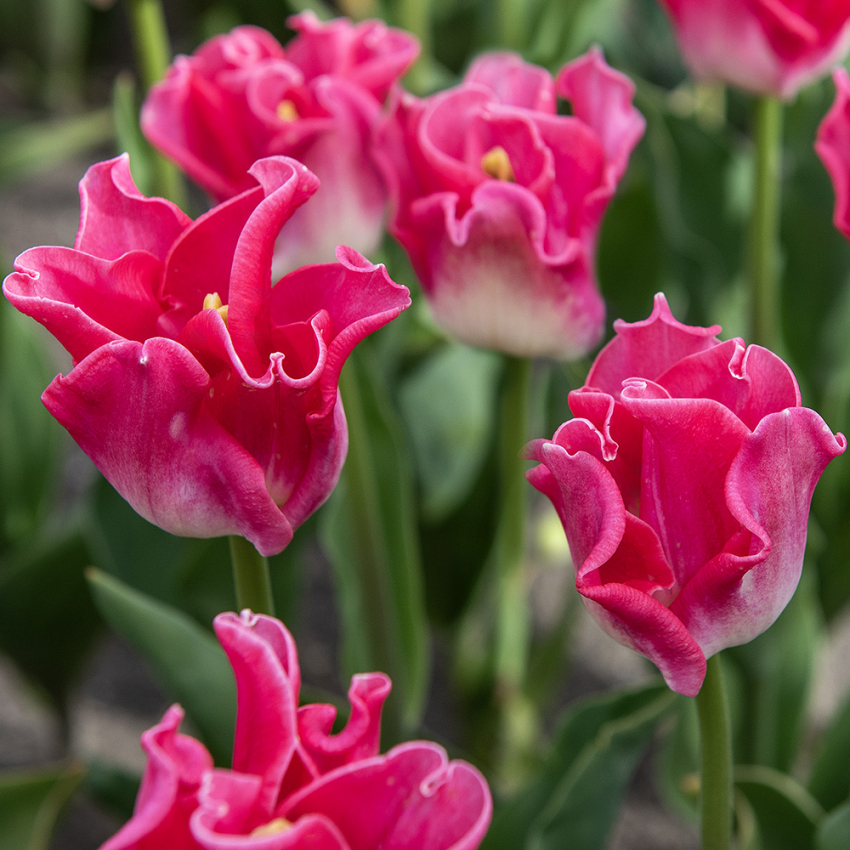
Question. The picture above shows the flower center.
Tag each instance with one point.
(212, 301)
(273, 827)
(496, 163)
(286, 111)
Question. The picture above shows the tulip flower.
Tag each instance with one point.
(294, 784)
(498, 199)
(770, 47)
(241, 97)
(683, 485)
(833, 147)
(207, 397)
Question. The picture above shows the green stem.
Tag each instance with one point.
(153, 53)
(251, 577)
(512, 623)
(764, 235)
(716, 760)
(512, 23)
(415, 16)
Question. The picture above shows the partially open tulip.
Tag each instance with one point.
(294, 784)
(771, 47)
(683, 485)
(207, 397)
(242, 96)
(498, 199)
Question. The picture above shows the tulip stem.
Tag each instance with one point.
(512, 626)
(153, 54)
(764, 234)
(251, 577)
(716, 760)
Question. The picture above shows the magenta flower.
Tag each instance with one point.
(772, 47)
(833, 147)
(498, 199)
(683, 485)
(242, 96)
(293, 784)
(208, 398)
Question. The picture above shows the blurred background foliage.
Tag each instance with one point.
(69, 87)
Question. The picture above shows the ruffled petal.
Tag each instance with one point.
(768, 490)
(410, 798)
(138, 412)
(115, 217)
(646, 349)
(175, 769)
(262, 654)
(514, 81)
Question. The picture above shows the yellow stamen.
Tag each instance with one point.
(212, 301)
(286, 111)
(496, 163)
(273, 827)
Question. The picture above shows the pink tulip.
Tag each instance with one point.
(498, 199)
(833, 147)
(771, 47)
(293, 784)
(208, 398)
(683, 485)
(242, 96)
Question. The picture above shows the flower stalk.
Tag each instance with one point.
(715, 760)
(251, 577)
(764, 234)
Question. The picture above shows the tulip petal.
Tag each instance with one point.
(646, 349)
(262, 653)
(115, 217)
(138, 412)
(175, 767)
(833, 147)
(410, 798)
(689, 445)
(738, 595)
(84, 301)
(513, 81)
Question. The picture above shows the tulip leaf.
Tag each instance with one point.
(113, 787)
(787, 815)
(450, 437)
(829, 783)
(574, 798)
(834, 830)
(48, 623)
(189, 661)
(31, 802)
(370, 534)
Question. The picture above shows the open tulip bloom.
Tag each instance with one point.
(771, 47)
(242, 96)
(207, 397)
(293, 784)
(683, 485)
(497, 199)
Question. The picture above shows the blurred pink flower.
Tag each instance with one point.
(208, 398)
(683, 485)
(771, 47)
(293, 783)
(242, 96)
(833, 147)
(498, 199)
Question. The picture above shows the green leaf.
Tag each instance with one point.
(47, 620)
(30, 803)
(451, 438)
(370, 535)
(129, 139)
(574, 799)
(830, 779)
(787, 815)
(189, 661)
(114, 787)
(834, 830)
